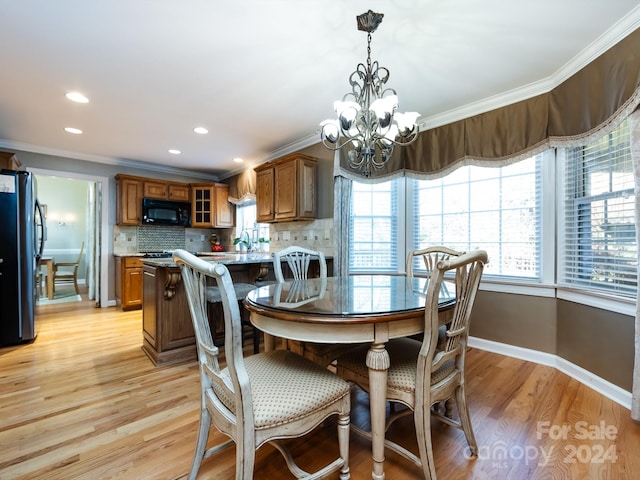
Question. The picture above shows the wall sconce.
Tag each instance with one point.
(63, 220)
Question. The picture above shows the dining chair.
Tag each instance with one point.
(430, 257)
(299, 259)
(421, 374)
(264, 398)
(67, 271)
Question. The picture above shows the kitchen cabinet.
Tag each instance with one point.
(286, 189)
(155, 189)
(129, 282)
(129, 193)
(130, 190)
(180, 192)
(9, 161)
(162, 190)
(210, 207)
(265, 194)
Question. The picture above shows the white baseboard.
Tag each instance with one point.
(585, 377)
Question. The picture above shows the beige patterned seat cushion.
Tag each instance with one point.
(285, 387)
(403, 355)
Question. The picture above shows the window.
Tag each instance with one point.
(246, 226)
(493, 209)
(373, 232)
(496, 209)
(598, 244)
(558, 224)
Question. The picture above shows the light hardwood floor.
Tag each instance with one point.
(84, 402)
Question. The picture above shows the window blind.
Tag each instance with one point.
(599, 248)
(374, 227)
(494, 209)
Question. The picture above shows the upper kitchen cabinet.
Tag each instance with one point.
(9, 161)
(160, 189)
(129, 194)
(155, 189)
(210, 207)
(178, 192)
(130, 190)
(286, 189)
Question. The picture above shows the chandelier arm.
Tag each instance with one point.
(334, 145)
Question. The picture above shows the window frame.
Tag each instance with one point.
(546, 285)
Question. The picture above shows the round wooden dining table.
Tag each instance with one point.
(346, 310)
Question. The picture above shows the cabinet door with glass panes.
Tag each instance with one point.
(202, 205)
(210, 207)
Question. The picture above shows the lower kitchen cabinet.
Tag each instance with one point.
(129, 282)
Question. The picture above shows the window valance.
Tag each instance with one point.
(584, 106)
(242, 187)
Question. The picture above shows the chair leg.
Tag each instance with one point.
(465, 419)
(256, 340)
(422, 418)
(245, 460)
(343, 443)
(75, 285)
(255, 335)
(203, 437)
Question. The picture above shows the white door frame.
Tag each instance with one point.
(104, 237)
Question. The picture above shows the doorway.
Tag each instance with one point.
(76, 207)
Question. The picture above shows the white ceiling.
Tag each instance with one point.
(261, 75)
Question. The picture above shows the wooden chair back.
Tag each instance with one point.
(298, 259)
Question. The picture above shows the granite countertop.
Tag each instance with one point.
(226, 258)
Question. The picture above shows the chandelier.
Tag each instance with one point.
(367, 116)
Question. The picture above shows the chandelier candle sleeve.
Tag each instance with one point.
(367, 117)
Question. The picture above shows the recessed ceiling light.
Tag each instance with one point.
(77, 97)
(201, 130)
(173, 151)
(238, 160)
(75, 131)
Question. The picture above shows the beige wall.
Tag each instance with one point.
(520, 320)
(597, 340)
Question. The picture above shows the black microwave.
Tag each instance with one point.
(166, 212)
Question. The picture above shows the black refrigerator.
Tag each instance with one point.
(22, 237)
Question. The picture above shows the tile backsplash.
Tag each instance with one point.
(316, 234)
(153, 239)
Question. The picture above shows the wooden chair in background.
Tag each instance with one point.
(67, 272)
(299, 259)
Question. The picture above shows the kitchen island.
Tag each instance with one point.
(168, 335)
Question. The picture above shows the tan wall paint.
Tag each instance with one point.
(597, 340)
(520, 320)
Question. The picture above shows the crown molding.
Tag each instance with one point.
(152, 167)
(604, 42)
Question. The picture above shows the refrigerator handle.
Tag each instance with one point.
(43, 232)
